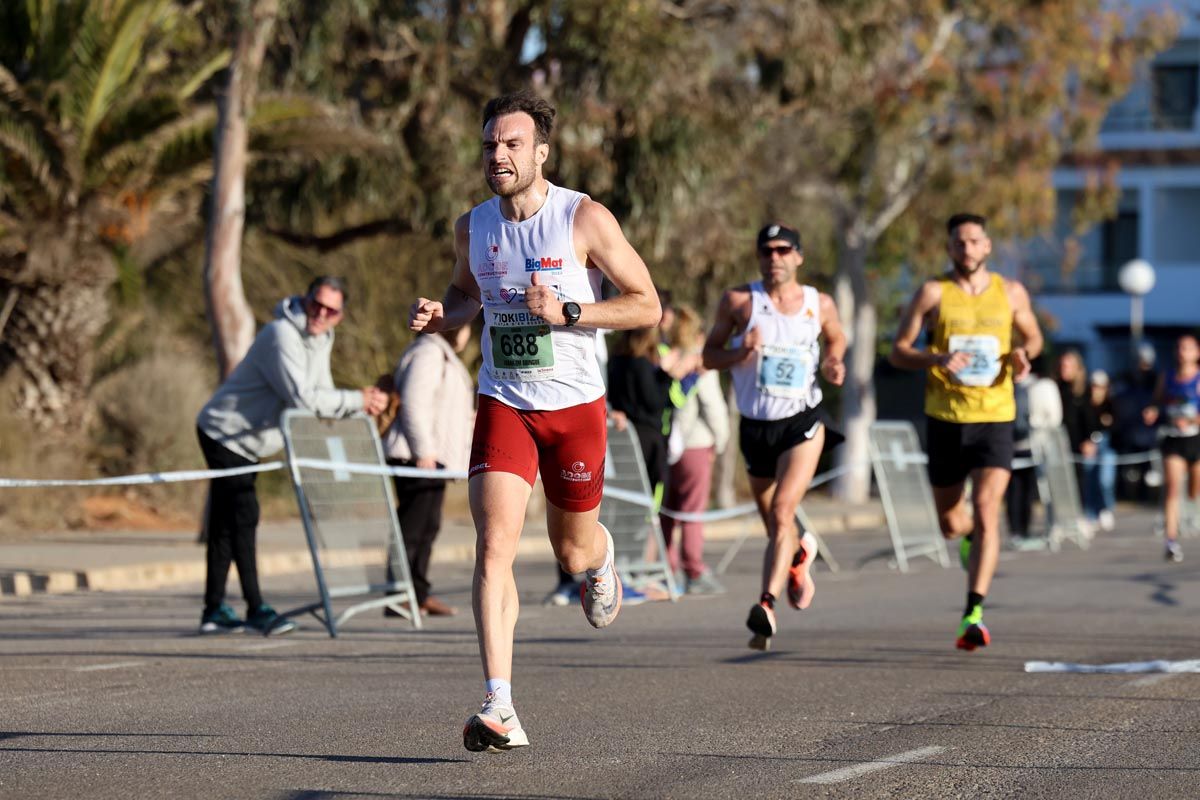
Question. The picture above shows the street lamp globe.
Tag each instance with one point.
(1136, 278)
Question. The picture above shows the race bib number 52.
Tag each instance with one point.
(784, 370)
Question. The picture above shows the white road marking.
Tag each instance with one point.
(1150, 680)
(849, 773)
(115, 665)
(1192, 665)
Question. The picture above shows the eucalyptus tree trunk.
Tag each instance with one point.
(228, 312)
(858, 392)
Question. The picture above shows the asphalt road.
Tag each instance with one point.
(863, 695)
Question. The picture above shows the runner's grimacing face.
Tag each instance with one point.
(778, 268)
(968, 248)
(512, 160)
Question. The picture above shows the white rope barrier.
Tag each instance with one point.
(372, 469)
(414, 472)
(144, 478)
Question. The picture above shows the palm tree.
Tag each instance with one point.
(106, 128)
(96, 119)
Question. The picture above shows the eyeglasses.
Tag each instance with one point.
(779, 250)
(317, 309)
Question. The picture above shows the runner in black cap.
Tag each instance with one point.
(773, 357)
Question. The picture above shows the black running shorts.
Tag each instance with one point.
(1186, 447)
(763, 441)
(957, 448)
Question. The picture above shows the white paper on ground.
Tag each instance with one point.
(1121, 669)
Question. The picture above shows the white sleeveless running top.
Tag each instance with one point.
(528, 364)
(782, 382)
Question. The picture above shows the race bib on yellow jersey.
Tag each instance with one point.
(521, 345)
(784, 370)
(984, 367)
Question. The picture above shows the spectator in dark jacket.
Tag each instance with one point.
(1078, 417)
(639, 391)
(1131, 434)
(1100, 470)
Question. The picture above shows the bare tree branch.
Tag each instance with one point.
(820, 190)
(332, 241)
(9, 303)
(903, 185)
(714, 10)
(941, 40)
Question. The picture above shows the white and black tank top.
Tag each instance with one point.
(782, 381)
(527, 363)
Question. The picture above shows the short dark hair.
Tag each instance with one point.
(527, 102)
(963, 219)
(331, 281)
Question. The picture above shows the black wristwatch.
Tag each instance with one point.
(571, 311)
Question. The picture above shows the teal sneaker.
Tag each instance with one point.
(221, 620)
(964, 552)
(267, 621)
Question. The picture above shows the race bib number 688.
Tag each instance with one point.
(522, 352)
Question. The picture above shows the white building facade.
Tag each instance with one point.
(1154, 133)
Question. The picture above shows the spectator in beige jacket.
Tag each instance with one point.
(432, 430)
(699, 430)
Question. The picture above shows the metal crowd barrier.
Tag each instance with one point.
(349, 518)
(1058, 484)
(641, 552)
(346, 501)
(899, 467)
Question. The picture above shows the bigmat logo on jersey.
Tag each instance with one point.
(543, 264)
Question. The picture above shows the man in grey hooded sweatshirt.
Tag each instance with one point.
(286, 367)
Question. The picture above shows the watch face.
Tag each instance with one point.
(572, 311)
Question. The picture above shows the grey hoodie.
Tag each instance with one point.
(284, 368)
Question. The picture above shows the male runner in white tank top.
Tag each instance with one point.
(775, 326)
(532, 258)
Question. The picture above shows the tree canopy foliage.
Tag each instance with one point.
(863, 122)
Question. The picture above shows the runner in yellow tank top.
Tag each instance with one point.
(981, 325)
(969, 315)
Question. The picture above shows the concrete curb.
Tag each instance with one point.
(191, 569)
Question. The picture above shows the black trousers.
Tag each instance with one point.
(654, 452)
(1019, 496)
(419, 510)
(232, 527)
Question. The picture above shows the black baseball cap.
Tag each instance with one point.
(776, 231)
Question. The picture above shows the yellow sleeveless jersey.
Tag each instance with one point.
(982, 326)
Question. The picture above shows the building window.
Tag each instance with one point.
(1176, 234)
(1118, 243)
(1070, 260)
(1174, 97)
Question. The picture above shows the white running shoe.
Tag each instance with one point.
(494, 729)
(800, 586)
(1107, 520)
(1174, 551)
(601, 597)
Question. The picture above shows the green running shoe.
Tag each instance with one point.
(972, 632)
(964, 552)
